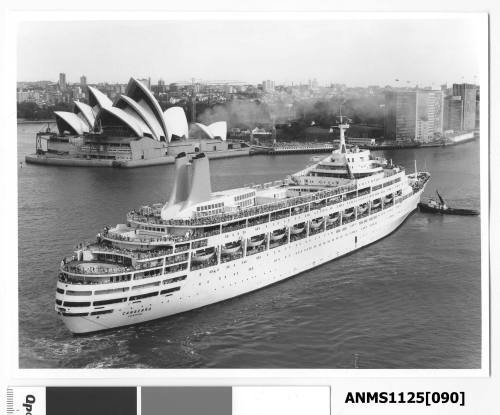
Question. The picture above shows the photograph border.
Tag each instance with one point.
(229, 376)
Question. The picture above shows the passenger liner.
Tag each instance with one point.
(202, 247)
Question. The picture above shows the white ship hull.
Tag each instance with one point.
(252, 272)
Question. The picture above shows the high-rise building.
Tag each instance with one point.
(453, 113)
(62, 82)
(468, 94)
(413, 115)
(161, 86)
(400, 115)
(83, 81)
(77, 92)
(478, 107)
(429, 115)
(268, 85)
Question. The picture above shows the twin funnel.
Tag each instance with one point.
(180, 191)
(191, 185)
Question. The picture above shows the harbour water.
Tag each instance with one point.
(411, 300)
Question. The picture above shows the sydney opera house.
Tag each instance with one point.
(132, 131)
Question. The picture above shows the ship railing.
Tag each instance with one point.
(142, 255)
(258, 220)
(256, 250)
(231, 257)
(175, 268)
(95, 270)
(245, 213)
(97, 247)
(231, 228)
(211, 262)
(176, 259)
(279, 215)
(420, 179)
(84, 279)
(135, 238)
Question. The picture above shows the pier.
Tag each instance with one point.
(292, 148)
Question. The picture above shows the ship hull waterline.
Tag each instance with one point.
(205, 287)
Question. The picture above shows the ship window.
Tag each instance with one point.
(58, 302)
(138, 297)
(151, 284)
(176, 279)
(75, 314)
(112, 301)
(170, 290)
(76, 304)
(60, 291)
(78, 292)
(114, 290)
(96, 313)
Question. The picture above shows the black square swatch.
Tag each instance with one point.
(91, 401)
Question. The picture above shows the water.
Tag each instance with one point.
(412, 300)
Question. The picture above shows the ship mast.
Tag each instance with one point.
(342, 126)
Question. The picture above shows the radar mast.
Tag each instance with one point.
(343, 124)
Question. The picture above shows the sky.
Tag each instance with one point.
(355, 52)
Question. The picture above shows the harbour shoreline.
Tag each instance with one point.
(81, 162)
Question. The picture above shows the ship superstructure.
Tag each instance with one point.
(202, 247)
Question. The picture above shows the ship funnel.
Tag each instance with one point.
(200, 189)
(180, 191)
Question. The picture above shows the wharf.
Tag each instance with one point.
(292, 149)
(57, 160)
(327, 147)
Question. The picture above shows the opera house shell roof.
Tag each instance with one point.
(135, 114)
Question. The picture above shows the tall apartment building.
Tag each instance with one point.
(468, 94)
(62, 82)
(453, 113)
(413, 115)
(268, 85)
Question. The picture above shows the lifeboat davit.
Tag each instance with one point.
(298, 229)
(333, 217)
(202, 256)
(277, 235)
(316, 223)
(231, 247)
(255, 240)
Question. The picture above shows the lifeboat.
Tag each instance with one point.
(316, 223)
(202, 256)
(388, 198)
(231, 247)
(376, 203)
(299, 228)
(333, 217)
(348, 213)
(278, 234)
(362, 208)
(255, 240)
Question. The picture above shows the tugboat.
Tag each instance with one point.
(433, 206)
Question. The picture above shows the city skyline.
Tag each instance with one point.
(429, 52)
